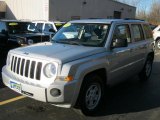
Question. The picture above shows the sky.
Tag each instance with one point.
(144, 4)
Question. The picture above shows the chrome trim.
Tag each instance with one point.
(121, 51)
(122, 67)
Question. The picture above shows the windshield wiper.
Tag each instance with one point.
(67, 42)
(75, 43)
(26, 31)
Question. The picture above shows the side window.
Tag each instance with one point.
(39, 26)
(137, 32)
(2, 28)
(147, 31)
(48, 27)
(122, 32)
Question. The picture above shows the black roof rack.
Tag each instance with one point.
(133, 19)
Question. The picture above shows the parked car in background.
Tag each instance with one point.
(14, 33)
(47, 27)
(83, 58)
(153, 26)
(156, 36)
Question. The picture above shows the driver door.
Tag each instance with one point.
(120, 58)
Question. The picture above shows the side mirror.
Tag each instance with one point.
(52, 30)
(117, 43)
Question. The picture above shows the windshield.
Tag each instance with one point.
(86, 34)
(20, 27)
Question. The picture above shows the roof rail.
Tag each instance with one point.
(133, 19)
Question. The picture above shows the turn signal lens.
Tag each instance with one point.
(68, 78)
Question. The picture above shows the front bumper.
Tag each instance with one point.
(36, 91)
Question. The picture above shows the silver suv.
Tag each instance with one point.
(83, 58)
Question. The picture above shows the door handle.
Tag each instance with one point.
(143, 47)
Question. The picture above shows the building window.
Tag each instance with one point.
(117, 14)
(2, 15)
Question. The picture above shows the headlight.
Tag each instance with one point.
(8, 59)
(50, 70)
(30, 41)
(20, 41)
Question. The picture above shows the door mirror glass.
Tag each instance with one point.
(52, 30)
(117, 43)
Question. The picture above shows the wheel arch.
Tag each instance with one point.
(102, 72)
(151, 54)
(158, 38)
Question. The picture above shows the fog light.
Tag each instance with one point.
(55, 92)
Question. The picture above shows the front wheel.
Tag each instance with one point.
(158, 44)
(146, 71)
(92, 94)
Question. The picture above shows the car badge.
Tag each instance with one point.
(26, 53)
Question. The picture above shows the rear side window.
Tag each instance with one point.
(137, 32)
(48, 27)
(122, 32)
(39, 26)
(147, 31)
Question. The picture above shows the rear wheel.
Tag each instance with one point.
(146, 71)
(92, 94)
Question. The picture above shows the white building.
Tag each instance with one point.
(2, 9)
(65, 10)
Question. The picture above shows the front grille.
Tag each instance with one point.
(25, 67)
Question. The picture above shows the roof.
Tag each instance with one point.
(123, 3)
(108, 21)
(14, 20)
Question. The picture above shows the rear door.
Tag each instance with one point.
(39, 27)
(138, 49)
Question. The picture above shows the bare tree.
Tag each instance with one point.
(154, 14)
(142, 12)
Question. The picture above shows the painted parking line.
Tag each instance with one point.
(12, 100)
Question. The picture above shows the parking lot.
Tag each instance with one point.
(127, 101)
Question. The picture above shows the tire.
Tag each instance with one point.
(92, 94)
(158, 44)
(147, 69)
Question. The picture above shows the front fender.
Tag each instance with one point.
(83, 70)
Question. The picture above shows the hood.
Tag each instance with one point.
(25, 35)
(61, 53)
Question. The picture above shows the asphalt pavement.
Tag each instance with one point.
(130, 100)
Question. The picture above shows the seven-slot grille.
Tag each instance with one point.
(25, 67)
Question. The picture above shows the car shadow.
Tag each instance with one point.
(133, 95)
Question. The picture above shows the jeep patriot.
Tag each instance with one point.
(82, 59)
